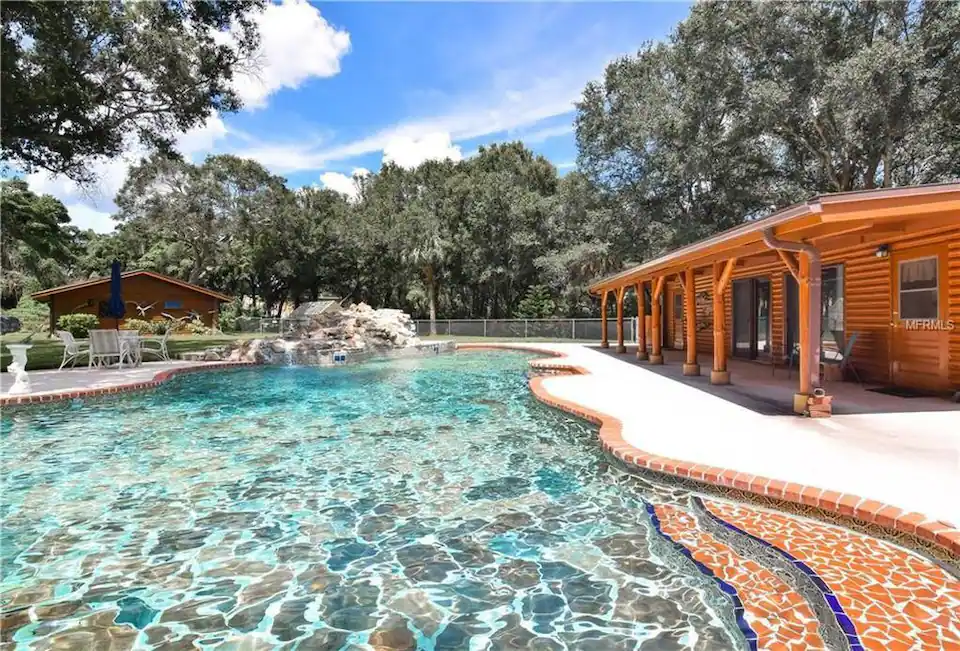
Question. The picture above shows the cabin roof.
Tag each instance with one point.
(48, 293)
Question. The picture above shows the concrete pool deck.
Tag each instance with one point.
(899, 470)
(52, 385)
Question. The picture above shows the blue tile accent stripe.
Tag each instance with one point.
(846, 624)
(726, 588)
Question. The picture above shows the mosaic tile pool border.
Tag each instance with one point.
(71, 394)
(849, 630)
(730, 591)
(944, 535)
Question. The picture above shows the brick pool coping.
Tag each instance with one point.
(70, 394)
(888, 517)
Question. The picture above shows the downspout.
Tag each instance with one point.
(814, 280)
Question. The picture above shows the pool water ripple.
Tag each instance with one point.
(410, 504)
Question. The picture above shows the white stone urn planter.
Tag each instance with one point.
(18, 368)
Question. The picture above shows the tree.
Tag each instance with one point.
(504, 226)
(198, 207)
(752, 105)
(84, 80)
(859, 95)
(426, 226)
(34, 241)
(589, 237)
(537, 304)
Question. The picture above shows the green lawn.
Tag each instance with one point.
(48, 353)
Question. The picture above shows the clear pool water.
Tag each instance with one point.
(410, 504)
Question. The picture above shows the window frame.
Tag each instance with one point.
(935, 289)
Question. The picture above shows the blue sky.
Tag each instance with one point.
(344, 86)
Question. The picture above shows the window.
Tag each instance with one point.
(919, 293)
(831, 309)
(173, 305)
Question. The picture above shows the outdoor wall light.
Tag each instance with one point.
(882, 251)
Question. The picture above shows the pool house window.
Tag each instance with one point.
(919, 289)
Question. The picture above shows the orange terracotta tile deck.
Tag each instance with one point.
(896, 600)
(780, 617)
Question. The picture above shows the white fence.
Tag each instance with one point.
(564, 329)
(571, 329)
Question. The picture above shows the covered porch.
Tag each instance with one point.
(817, 287)
(768, 390)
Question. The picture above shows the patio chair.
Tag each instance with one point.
(106, 346)
(843, 362)
(790, 360)
(131, 339)
(72, 349)
(157, 347)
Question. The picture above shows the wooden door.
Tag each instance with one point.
(920, 340)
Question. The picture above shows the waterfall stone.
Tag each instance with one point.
(336, 336)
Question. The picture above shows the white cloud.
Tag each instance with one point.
(546, 133)
(296, 44)
(200, 140)
(408, 151)
(477, 114)
(90, 206)
(84, 217)
(344, 184)
(566, 166)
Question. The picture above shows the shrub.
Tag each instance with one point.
(79, 325)
(145, 327)
(196, 327)
(230, 316)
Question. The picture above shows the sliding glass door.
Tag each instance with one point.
(831, 316)
(751, 318)
(742, 321)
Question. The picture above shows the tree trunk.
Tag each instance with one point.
(431, 298)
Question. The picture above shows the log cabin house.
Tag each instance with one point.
(878, 269)
(148, 296)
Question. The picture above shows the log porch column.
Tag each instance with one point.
(621, 292)
(656, 347)
(691, 367)
(810, 339)
(603, 321)
(641, 323)
(721, 277)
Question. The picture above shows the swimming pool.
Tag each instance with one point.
(409, 504)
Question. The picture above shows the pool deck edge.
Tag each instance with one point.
(80, 393)
(945, 535)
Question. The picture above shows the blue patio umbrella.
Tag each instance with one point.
(115, 306)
